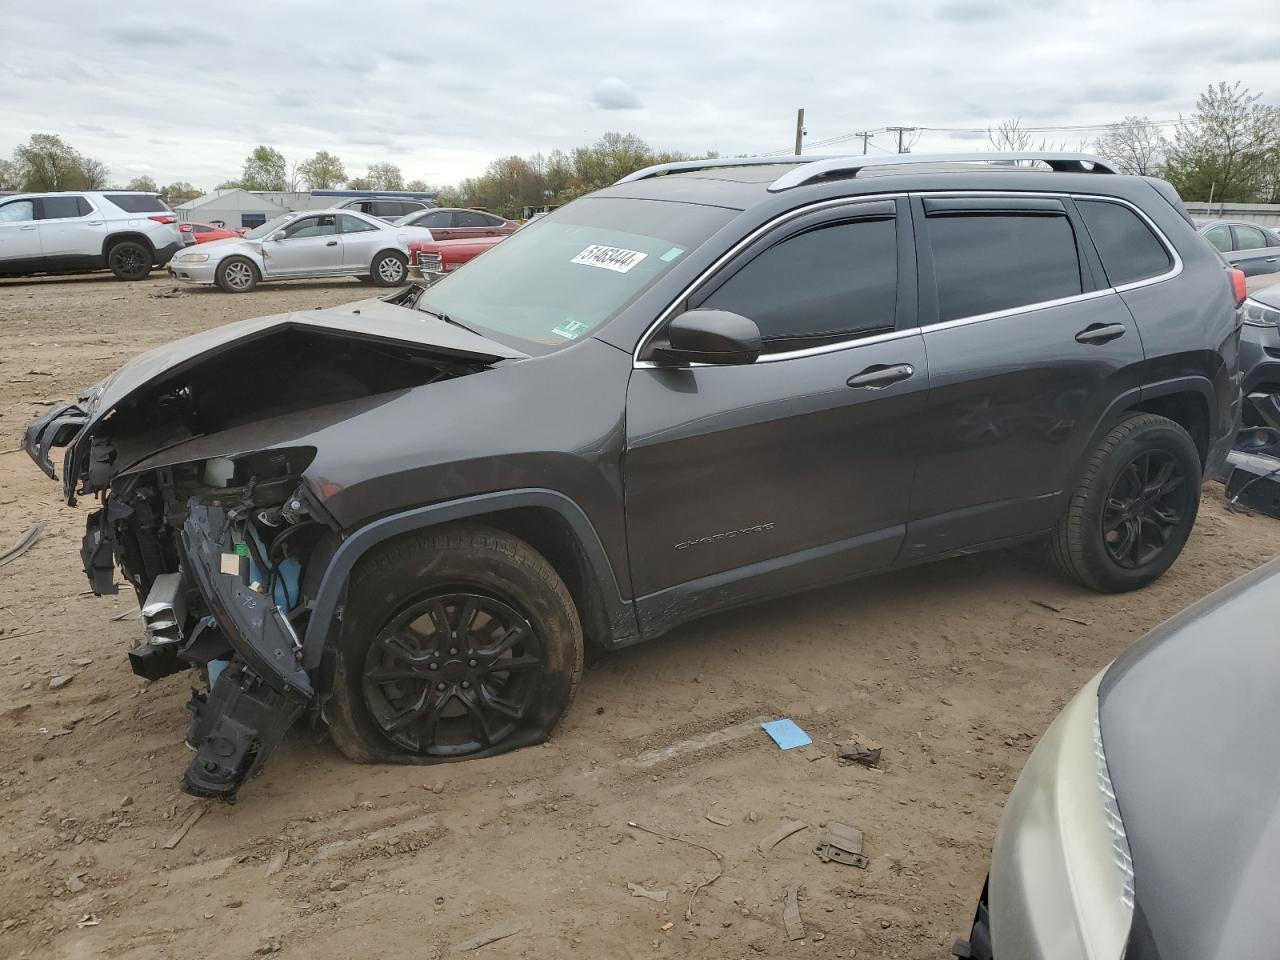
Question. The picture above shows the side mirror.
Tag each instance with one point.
(710, 336)
(278, 236)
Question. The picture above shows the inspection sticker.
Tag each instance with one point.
(571, 329)
(610, 258)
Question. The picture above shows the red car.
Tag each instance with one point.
(449, 223)
(205, 232)
(432, 259)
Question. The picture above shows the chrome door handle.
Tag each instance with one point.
(95, 223)
(1270, 259)
(1101, 333)
(880, 375)
(332, 243)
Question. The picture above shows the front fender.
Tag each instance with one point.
(323, 624)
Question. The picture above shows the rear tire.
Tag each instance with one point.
(432, 620)
(390, 269)
(130, 260)
(1133, 509)
(237, 275)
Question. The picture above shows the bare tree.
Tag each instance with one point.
(1011, 135)
(1135, 145)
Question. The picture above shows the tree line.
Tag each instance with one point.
(1228, 147)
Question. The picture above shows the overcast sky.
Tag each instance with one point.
(184, 92)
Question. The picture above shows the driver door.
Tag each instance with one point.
(747, 480)
(311, 247)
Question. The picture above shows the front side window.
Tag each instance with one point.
(325, 226)
(59, 208)
(1249, 238)
(18, 211)
(983, 262)
(1220, 237)
(352, 224)
(1129, 250)
(831, 283)
(440, 219)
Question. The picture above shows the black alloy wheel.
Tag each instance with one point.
(453, 673)
(1144, 508)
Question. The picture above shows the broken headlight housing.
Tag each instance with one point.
(1061, 882)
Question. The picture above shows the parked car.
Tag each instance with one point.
(295, 246)
(1260, 357)
(447, 223)
(431, 260)
(207, 232)
(127, 232)
(1105, 850)
(385, 208)
(712, 383)
(1248, 246)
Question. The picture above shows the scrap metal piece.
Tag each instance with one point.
(164, 615)
(791, 915)
(858, 753)
(22, 546)
(843, 844)
(784, 831)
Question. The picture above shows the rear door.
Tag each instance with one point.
(1027, 348)
(311, 247)
(763, 477)
(469, 224)
(1254, 251)
(19, 233)
(360, 241)
(70, 226)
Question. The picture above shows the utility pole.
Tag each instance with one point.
(865, 135)
(900, 131)
(799, 130)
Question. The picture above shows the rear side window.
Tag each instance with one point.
(832, 283)
(138, 202)
(493, 221)
(60, 208)
(988, 262)
(1129, 250)
(469, 218)
(1249, 238)
(352, 224)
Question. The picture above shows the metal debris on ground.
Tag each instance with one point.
(791, 915)
(88, 920)
(493, 935)
(688, 913)
(22, 546)
(181, 832)
(127, 613)
(1048, 606)
(843, 844)
(784, 831)
(858, 753)
(786, 733)
(659, 896)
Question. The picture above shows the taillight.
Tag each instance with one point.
(164, 218)
(1240, 286)
(184, 228)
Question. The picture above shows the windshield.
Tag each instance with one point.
(270, 227)
(557, 280)
(408, 217)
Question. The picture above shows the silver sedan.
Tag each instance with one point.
(295, 246)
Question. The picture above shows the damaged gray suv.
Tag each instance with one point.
(711, 383)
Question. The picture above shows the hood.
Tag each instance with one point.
(1190, 723)
(1269, 296)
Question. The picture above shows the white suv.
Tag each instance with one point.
(128, 232)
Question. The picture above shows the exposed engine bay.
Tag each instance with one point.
(210, 519)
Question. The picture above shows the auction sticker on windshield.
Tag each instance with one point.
(609, 258)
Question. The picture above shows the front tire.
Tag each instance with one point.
(457, 642)
(390, 269)
(237, 275)
(1134, 508)
(130, 260)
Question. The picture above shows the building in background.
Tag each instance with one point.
(237, 208)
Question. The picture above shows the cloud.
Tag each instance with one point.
(972, 11)
(613, 94)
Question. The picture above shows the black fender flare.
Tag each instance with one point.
(323, 622)
(112, 239)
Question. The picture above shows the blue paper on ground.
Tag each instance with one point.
(786, 734)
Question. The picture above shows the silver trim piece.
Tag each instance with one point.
(818, 165)
(1175, 270)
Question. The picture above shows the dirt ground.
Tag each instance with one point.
(955, 669)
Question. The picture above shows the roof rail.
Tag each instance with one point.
(809, 168)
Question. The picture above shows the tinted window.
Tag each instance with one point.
(59, 208)
(201, 228)
(388, 208)
(469, 218)
(984, 263)
(1220, 237)
(491, 220)
(352, 224)
(1249, 238)
(1128, 248)
(137, 202)
(311, 227)
(17, 210)
(85, 206)
(824, 285)
(436, 218)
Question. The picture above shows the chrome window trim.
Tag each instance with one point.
(1173, 271)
